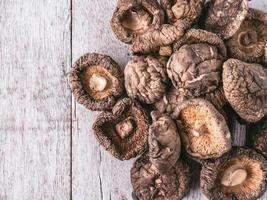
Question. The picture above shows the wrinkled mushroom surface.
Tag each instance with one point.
(198, 36)
(225, 16)
(195, 68)
(134, 17)
(96, 81)
(173, 98)
(239, 174)
(260, 138)
(124, 131)
(203, 129)
(152, 41)
(188, 10)
(148, 184)
(145, 79)
(248, 43)
(245, 87)
(163, 141)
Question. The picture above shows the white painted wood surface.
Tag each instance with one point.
(34, 99)
(47, 148)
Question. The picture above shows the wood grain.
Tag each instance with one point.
(35, 100)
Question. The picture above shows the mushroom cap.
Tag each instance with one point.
(148, 184)
(134, 17)
(260, 137)
(145, 79)
(248, 43)
(173, 98)
(225, 16)
(188, 10)
(197, 36)
(163, 141)
(151, 41)
(195, 69)
(239, 174)
(203, 129)
(96, 81)
(245, 88)
(124, 131)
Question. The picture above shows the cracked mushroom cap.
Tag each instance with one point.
(260, 138)
(203, 129)
(248, 43)
(148, 184)
(96, 81)
(245, 88)
(240, 174)
(163, 141)
(151, 41)
(145, 79)
(174, 98)
(196, 67)
(124, 131)
(134, 17)
(224, 17)
(188, 10)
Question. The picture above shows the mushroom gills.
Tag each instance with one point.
(137, 20)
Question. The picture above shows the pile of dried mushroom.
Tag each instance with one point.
(193, 62)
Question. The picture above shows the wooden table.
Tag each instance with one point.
(47, 148)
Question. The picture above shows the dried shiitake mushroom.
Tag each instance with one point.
(134, 17)
(260, 138)
(145, 79)
(163, 141)
(245, 87)
(196, 67)
(248, 43)
(152, 41)
(173, 98)
(188, 10)
(198, 36)
(203, 129)
(148, 184)
(225, 16)
(240, 174)
(124, 131)
(96, 81)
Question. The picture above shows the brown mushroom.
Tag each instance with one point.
(96, 81)
(225, 16)
(148, 184)
(188, 10)
(163, 141)
(245, 87)
(260, 138)
(145, 79)
(239, 174)
(151, 41)
(195, 68)
(134, 17)
(124, 131)
(248, 43)
(174, 98)
(203, 129)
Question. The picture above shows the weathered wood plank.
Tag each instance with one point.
(96, 175)
(35, 100)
